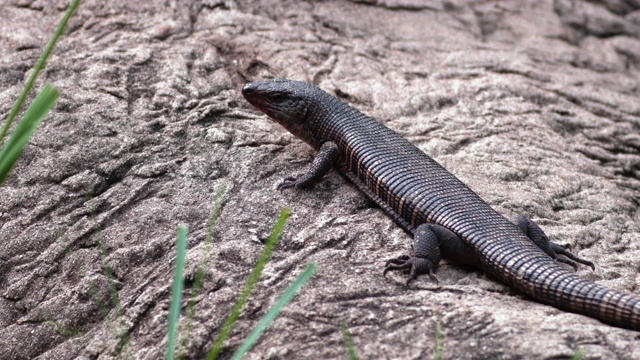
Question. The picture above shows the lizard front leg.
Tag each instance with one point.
(326, 158)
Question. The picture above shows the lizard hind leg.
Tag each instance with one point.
(429, 240)
(538, 237)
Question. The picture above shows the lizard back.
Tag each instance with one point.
(414, 189)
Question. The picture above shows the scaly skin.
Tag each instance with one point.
(414, 190)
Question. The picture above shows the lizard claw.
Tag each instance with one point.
(287, 183)
(397, 261)
(571, 259)
(416, 265)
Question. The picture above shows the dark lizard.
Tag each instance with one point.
(444, 216)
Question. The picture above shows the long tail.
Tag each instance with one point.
(550, 283)
(582, 296)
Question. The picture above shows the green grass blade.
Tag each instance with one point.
(14, 146)
(578, 354)
(274, 311)
(38, 67)
(176, 291)
(204, 258)
(437, 348)
(251, 282)
(120, 332)
(348, 342)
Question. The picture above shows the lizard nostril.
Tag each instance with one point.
(248, 89)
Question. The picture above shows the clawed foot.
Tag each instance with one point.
(572, 259)
(417, 266)
(287, 183)
(560, 253)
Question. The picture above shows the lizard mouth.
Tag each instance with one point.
(282, 105)
(259, 97)
(251, 93)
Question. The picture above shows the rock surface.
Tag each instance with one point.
(533, 104)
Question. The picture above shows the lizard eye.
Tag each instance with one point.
(278, 98)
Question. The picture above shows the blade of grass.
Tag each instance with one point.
(121, 332)
(348, 342)
(274, 311)
(437, 349)
(176, 291)
(204, 258)
(578, 354)
(38, 67)
(251, 282)
(14, 146)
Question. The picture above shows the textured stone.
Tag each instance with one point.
(532, 104)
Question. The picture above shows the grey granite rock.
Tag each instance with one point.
(533, 104)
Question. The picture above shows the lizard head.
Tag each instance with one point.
(284, 101)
